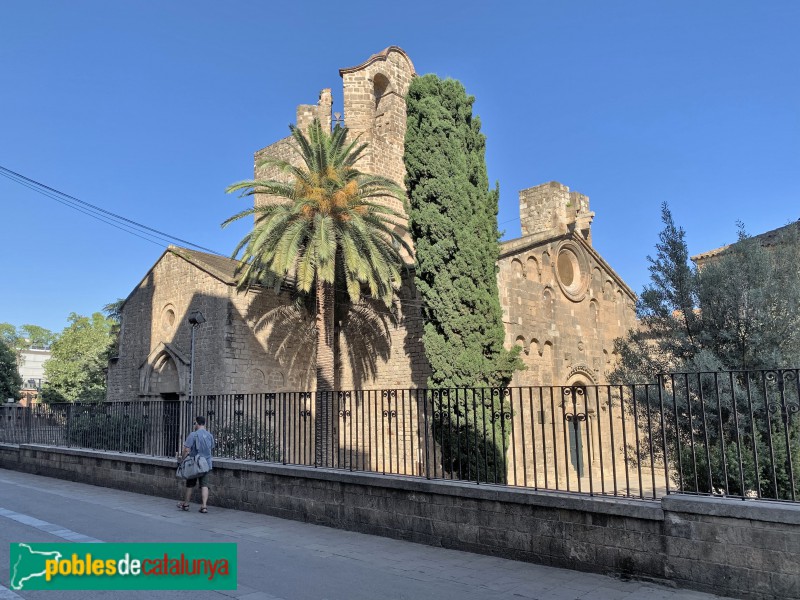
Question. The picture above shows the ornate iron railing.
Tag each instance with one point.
(735, 434)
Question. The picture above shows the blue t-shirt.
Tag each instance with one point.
(200, 442)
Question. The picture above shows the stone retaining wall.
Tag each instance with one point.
(747, 549)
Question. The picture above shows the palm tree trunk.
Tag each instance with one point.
(325, 419)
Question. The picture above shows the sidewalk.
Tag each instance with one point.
(288, 560)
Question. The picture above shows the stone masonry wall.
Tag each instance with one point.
(746, 549)
(156, 312)
(565, 330)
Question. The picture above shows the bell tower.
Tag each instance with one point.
(375, 110)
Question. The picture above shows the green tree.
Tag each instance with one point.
(749, 300)
(25, 337)
(9, 335)
(113, 311)
(738, 312)
(733, 324)
(76, 369)
(453, 221)
(331, 221)
(667, 312)
(37, 337)
(10, 381)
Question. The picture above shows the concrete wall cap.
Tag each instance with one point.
(752, 509)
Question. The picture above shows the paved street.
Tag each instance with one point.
(281, 559)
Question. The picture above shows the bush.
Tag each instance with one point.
(472, 434)
(92, 427)
(247, 438)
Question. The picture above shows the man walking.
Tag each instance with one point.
(199, 443)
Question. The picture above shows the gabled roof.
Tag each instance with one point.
(218, 267)
(766, 239)
(536, 240)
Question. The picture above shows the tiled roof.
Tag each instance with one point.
(766, 239)
(221, 267)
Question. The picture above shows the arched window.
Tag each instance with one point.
(533, 269)
(380, 85)
(549, 302)
(594, 313)
(516, 268)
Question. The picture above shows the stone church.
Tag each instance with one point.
(561, 301)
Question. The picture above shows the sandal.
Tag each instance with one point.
(183, 505)
(203, 509)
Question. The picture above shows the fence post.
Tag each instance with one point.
(425, 429)
(29, 411)
(69, 424)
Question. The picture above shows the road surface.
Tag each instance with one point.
(281, 559)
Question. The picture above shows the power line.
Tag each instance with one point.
(144, 232)
(78, 204)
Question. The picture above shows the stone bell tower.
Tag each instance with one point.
(375, 110)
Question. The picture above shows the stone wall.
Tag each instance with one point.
(156, 314)
(252, 342)
(746, 549)
(561, 301)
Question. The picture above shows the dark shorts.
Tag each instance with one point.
(204, 479)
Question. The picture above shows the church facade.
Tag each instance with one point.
(561, 301)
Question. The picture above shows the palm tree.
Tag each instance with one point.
(330, 222)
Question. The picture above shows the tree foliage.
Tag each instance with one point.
(453, 220)
(113, 312)
(738, 312)
(10, 381)
(731, 326)
(26, 337)
(76, 369)
(330, 229)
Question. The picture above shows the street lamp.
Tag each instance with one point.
(195, 318)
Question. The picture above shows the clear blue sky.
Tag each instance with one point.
(150, 109)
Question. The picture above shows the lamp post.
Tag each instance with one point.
(195, 318)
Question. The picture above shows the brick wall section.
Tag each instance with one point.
(742, 549)
(246, 345)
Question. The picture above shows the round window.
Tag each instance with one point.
(168, 318)
(572, 271)
(566, 269)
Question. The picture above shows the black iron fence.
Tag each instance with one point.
(733, 433)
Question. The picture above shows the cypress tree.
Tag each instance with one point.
(453, 222)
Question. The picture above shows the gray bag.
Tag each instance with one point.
(193, 467)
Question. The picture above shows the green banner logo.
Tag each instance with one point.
(123, 566)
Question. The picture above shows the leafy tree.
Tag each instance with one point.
(113, 311)
(453, 220)
(331, 221)
(749, 300)
(76, 369)
(733, 324)
(37, 337)
(25, 337)
(9, 335)
(10, 381)
(92, 426)
(737, 312)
